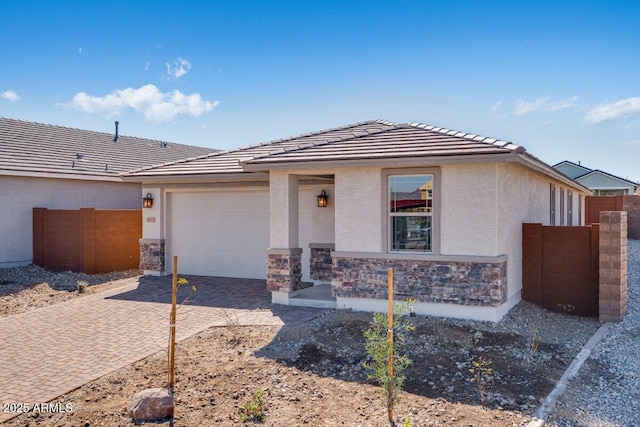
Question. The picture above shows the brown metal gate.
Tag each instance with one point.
(560, 268)
(593, 205)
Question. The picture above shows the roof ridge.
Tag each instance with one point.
(472, 137)
(278, 141)
(329, 140)
(110, 134)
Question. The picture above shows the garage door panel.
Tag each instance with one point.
(221, 234)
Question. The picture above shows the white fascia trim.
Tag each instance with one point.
(540, 166)
(198, 178)
(401, 162)
(61, 176)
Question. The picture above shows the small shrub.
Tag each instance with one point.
(534, 341)
(377, 346)
(482, 374)
(82, 286)
(346, 318)
(232, 323)
(254, 410)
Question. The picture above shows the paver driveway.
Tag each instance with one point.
(47, 352)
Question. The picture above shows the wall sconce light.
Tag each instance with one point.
(147, 201)
(322, 199)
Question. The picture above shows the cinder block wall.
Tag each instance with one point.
(631, 204)
(613, 266)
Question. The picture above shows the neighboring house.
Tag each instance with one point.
(56, 167)
(443, 208)
(602, 183)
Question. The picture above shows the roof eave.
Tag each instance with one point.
(197, 178)
(538, 165)
(61, 175)
(385, 162)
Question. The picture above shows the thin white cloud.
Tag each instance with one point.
(178, 68)
(10, 95)
(147, 65)
(543, 104)
(496, 111)
(156, 106)
(623, 109)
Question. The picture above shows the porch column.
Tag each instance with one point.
(152, 244)
(284, 257)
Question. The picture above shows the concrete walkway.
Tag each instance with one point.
(47, 352)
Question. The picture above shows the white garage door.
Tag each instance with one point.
(220, 233)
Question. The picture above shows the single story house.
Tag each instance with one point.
(443, 208)
(56, 167)
(600, 182)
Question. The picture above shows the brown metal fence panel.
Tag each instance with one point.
(560, 268)
(595, 204)
(87, 240)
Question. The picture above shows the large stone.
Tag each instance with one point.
(152, 404)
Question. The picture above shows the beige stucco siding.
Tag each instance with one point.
(467, 211)
(19, 195)
(358, 198)
(316, 224)
(524, 196)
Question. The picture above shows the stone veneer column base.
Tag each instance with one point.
(320, 263)
(152, 255)
(284, 270)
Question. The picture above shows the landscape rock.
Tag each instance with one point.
(152, 404)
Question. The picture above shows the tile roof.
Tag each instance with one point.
(28, 148)
(400, 141)
(365, 140)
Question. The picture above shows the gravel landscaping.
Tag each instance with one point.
(606, 391)
(302, 366)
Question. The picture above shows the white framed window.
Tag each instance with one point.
(569, 207)
(579, 209)
(552, 204)
(411, 212)
(561, 206)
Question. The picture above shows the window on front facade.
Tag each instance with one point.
(579, 209)
(552, 201)
(561, 206)
(569, 207)
(411, 212)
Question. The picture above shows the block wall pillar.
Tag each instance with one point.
(613, 266)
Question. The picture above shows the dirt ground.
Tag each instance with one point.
(312, 374)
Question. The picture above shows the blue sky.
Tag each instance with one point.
(560, 78)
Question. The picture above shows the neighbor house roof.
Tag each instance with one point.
(369, 142)
(585, 172)
(37, 149)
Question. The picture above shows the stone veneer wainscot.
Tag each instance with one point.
(463, 282)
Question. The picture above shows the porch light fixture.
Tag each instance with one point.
(147, 201)
(322, 199)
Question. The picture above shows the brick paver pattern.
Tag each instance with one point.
(47, 352)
